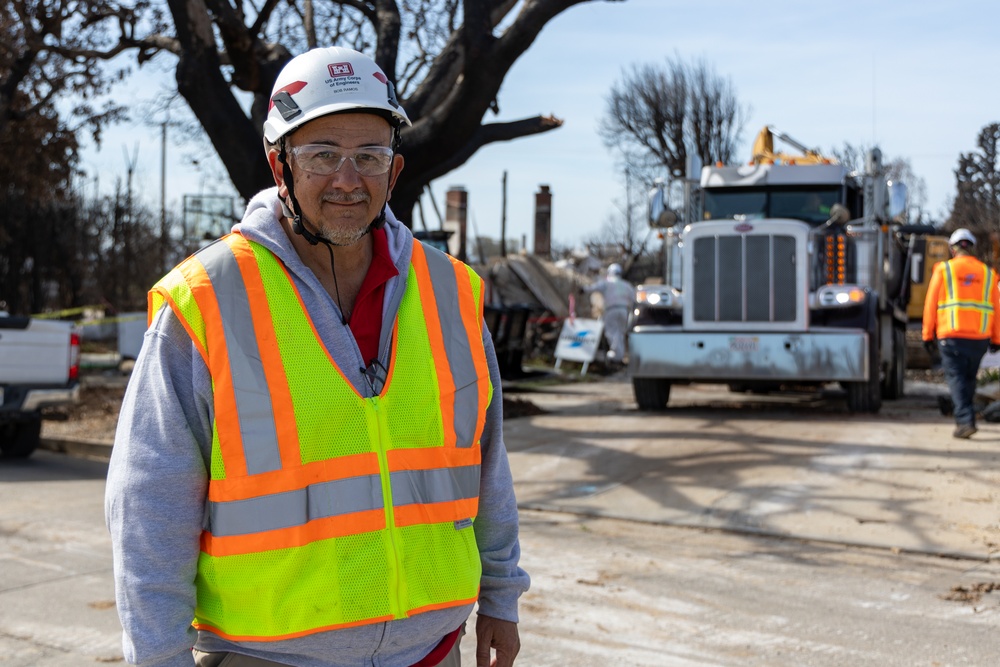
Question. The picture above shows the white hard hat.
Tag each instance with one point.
(324, 81)
(960, 235)
(614, 270)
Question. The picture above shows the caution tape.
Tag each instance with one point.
(59, 314)
(114, 320)
(68, 313)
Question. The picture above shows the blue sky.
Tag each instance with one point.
(920, 79)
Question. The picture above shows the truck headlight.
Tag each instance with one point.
(839, 296)
(658, 296)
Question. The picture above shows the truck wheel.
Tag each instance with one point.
(895, 378)
(19, 439)
(867, 396)
(651, 393)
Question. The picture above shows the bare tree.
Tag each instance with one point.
(45, 102)
(447, 57)
(663, 113)
(625, 236)
(51, 50)
(977, 179)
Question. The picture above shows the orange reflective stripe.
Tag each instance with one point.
(423, 458)
(303, 633)
(445, 380)
(446, 605)
(270, 355)
(281, 481)
(226, 418)
(294, 536)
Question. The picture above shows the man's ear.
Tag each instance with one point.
(397, 166)
(277, 172)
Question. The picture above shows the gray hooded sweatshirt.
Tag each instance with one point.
(158, 480)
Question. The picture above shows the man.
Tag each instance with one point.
(619, 297)
(960, 311)
(309, 460)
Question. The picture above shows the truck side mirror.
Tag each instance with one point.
(660, 215)
(839, 215)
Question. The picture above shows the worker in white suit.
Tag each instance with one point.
(619, 297)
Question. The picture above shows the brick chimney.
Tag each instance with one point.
(543, 222)
(456, 212)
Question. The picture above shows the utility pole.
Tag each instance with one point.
(503, 217)
(163, 197)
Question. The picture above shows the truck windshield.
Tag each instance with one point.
(809, 205)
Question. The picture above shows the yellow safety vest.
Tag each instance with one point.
(327, 509)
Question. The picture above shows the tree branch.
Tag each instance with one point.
(492, 133)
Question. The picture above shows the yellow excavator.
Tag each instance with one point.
(763, 150)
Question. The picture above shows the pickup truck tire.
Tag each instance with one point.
(651, 393)
(20, 438)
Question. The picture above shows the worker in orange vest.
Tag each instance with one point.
(960, 311)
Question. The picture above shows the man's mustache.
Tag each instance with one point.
(347, 197)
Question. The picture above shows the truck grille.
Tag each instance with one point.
(744, 278)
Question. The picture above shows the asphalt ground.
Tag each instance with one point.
(795, 466)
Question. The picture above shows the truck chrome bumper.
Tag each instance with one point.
(824, 356)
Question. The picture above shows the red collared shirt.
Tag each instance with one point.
(366, 318)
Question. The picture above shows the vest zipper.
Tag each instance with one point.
(396, 583)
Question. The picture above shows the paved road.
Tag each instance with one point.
(615, 504)
(800, 466)
(56, 591)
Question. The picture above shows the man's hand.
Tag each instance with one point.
(492, 633)
(930, 346)
(994, 348)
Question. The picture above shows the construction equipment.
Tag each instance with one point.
(790, 271)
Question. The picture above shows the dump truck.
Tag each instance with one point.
(789, 271)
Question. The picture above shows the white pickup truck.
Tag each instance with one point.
(39, 368)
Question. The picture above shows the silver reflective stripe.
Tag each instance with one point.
(253, 398)
(434, 486)
(295, 508)
(456, 345)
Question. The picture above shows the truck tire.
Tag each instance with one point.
(895, 378)
(651, 393)
(19, 439)
(866, 397)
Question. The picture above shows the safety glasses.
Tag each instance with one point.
(324, 160)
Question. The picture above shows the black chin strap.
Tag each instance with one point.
(291, 209)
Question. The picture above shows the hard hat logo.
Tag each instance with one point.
(340, 69)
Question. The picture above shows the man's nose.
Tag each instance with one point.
(346, 173)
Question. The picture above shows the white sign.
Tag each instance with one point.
(579, 339)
